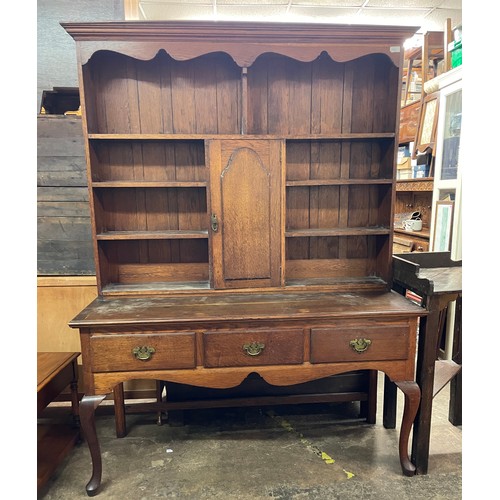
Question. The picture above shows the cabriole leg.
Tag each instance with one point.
(411, 390)
(88, 406)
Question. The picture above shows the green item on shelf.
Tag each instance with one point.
(456, 53)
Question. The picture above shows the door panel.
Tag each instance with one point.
(245, 192)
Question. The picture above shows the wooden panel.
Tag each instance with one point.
(298, 78)
(148, 161)
(370, 95)
(114, 352)
(61, 171)
(326, 95)
(183, 97)
(149, 96)
(160, 251)
(330, 345)
(298, 160)
(257, 97)
(408, 122)
(246, 198)
(59, 300)
(245, 220)
(278, 98)
(320, 268)
(312, 207)
(58, 193)
(291, 97)
(297, 208)
(143, 273)
(322, 160)
(160, 209)
(255, 386)
(385, 92)
(165, 96)
(325, 160)
(65, 258)
(112, 99)
(226, 348)
(155, 261)
(312, 160)
(228, 95)
(361, 161)
(64, 238)
(190, 161)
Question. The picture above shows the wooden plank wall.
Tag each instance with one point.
(64, 238)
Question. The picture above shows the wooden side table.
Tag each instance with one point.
(438, 280)
(55, 372)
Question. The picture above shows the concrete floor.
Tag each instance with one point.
(294, 452)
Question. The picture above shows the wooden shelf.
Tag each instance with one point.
(354, 283)
(153, 235)
(339, 231)
(148, 184)
(358, 282)
(337, 182)
(189, 137)
(54, 442)
(155, 287)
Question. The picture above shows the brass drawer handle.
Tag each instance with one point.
(360, 345)
(254, 348)
(143, 353)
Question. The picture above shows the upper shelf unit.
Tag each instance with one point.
(240, 155)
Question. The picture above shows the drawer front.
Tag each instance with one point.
(152, 351)
(402, 245)
(253, 347)
(359, 343)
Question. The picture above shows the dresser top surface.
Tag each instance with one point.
(243, 306)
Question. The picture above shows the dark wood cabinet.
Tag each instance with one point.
(242, 188)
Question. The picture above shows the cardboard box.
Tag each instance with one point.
(403, 174)
(404, 170)
(404, 163)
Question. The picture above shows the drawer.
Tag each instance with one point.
(403, 244)
(156, 351)
(373, 343)
(253, 347)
